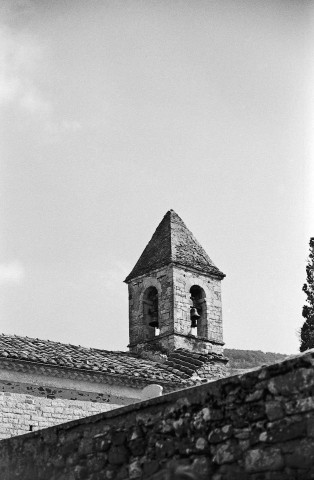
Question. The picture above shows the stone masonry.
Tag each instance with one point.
(173, 285)
(256, 426)
(162, 280)
(210, 336)
(22, 413)
(173, 264)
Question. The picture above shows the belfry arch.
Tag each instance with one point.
(151, 313)
(198, 307)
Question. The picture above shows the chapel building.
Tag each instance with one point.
(175, 341)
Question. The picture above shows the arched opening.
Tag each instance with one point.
(150, 312)
(198, 311)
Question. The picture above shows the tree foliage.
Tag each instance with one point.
(245, 359)
(307, 330)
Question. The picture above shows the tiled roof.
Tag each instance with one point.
(188, 362)
(178, 369)
(93, 360)
(173, 242)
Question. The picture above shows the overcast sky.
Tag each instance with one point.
(113, 112)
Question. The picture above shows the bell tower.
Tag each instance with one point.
(175, 293)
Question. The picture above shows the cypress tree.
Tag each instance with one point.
(307, 330)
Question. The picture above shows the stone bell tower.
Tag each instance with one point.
(175, 293)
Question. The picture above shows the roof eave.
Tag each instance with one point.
(216, 273)
(90, 375)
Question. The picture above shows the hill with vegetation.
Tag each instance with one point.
(242, 360)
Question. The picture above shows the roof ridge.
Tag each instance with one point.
(171, 233)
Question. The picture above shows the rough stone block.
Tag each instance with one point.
(274, 410)
(226, 453)
(259, 460)
(299, 453)
(300, 405)
(292, 382)
(286, 429)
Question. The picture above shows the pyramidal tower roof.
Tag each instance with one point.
(173, 243)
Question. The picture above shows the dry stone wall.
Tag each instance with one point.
(255, 426)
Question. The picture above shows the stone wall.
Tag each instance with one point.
(255, 426)
(30, 401)
(162, 280)
(173, 285)
(210, 327)
(21, 413)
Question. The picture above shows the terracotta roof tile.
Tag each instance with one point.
(76, 357)
(178, 369)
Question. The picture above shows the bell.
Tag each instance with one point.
(194, 314)
(194, 317)
(154, 323)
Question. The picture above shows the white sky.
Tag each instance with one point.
(113, 112)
